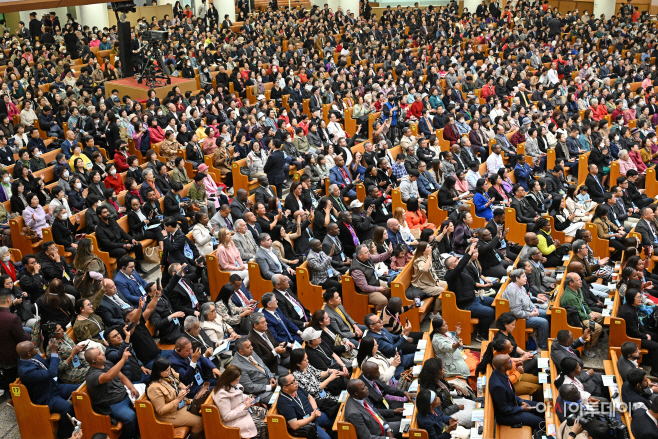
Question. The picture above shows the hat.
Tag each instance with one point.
(260, 115)
(310, 334)
(355, 204)
(261, 97)
(203, 167)
(634, 131)
(424, 95)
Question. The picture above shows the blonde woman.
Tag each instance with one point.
(400, 214)
(228, 256)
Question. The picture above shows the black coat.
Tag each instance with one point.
(274, 167)
(174, 249)
(594, 188)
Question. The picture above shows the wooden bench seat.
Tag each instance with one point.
(398, 288)
(213, 426)
(310, 295)
(34, 421)
(92, 422)
(150, 427)
(453, 315)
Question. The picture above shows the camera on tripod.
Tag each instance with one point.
(155, 36)
(617, 429)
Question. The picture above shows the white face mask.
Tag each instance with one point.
(159, 113)
(37, 154)
(113, 172)
(65, 174)
(99, 204)
(616, 138)
(6, 258)
(7, 179)
(65, 216)
(78, 185)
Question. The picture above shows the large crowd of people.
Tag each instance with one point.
(458, 92)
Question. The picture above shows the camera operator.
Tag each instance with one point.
(644, 424)
(136, 45)
(593, 429)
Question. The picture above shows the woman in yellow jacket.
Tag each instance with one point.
(606, 229)
(547, 245)
(167, 394)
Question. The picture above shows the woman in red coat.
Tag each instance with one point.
(121, 157)
(156, 133)
(113, 179)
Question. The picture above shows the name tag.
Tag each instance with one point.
(181, 404)
(65, 274)
(141, 290)
(75, 361)
(125, 306)
(198, 378)
(175, 320)
(342, 256)
(322, 394)
(188, 252)
(88, 166)
(214, 241)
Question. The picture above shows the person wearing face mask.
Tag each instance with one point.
(36, 162)
(113, 179)
(64, 231)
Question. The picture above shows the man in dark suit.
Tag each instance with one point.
(112, 305)
(173, 206)
(565, 346)
(348, 235)
(377, 391)
(389, 344)
(362, 220)
(240, 204)
(274, 354)
(182, 359)
(629, 359)
(252, 225)
(23, 32)
(39, 375)
(492, 264)
(281, 328)
(264, 191)
(643, 424)
(509, 409)
(340, 259)
(505, 248)
(276, 168)
(165, 320)
(302, 243)
(182, 293)
(180, 249)
(594, 186)
(524, 211)
(289, 303)
(366, 419)
(647, 230)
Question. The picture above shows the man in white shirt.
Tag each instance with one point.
(473, 175)
(553, 79)
(335, 128)
(495, 161)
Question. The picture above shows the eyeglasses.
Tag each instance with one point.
(291, 382)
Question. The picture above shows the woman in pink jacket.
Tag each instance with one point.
(228, 256)
(210, 185)
(625, 162)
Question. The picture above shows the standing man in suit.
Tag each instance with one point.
(179, 249)
(112, 305)
(565, 346)
(289, 303)
(340, 321)
(368, 422)
(340, 259)
(264, 191)
(256, 378)
(39, 376)
(130, 284)
(269, 263)
(276, 168)
(594, 186)
(509, 409)
(275, 355)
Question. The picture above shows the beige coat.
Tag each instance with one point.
(233, 412)
(165, 405)
(423, 279)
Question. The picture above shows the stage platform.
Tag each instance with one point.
(130, 87)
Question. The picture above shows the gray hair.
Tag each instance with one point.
(56, 211)
(276, 279)
(266, 299)
(190, 321)
(4, 250)
(623, 153)
(148, 171)
(239, 223)
(578, 244)
(516, 274)
(593, 101)
(205, 310)
(332, 187)
(255, 318)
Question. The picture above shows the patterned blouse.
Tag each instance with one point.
(230, 315)
(310, 381)
(67, 373)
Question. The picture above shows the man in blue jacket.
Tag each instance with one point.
(193, 366)
(40, 377)
(279, 325)
(426, 184)
(523, 172)
(340, 175)
(389, 344)
(509, 409)
(128, 282)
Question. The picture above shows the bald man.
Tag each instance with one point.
(531, 241)
(40, 377)
(377, 391)
(509, 409)
(105, 385)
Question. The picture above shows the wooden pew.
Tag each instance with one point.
(34, 421)
(277, 425)
(212, 422)
(517, 230)
(150, 427)
(310, 295)
(257, 284)
(19, 241)
(216, 277)
(92, 422)
(357, 303)
(398, 288)
(453, 315)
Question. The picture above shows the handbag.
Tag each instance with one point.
(152, 254)
(308, 431)
(405, 380)
(199, 398)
